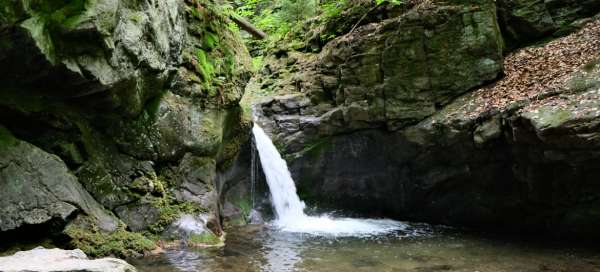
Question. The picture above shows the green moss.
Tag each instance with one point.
(169, 212)
(549, 117)
(218, 57)
(6, 138)
(589, 67)
(8, 250)
(206, 238)
(153, 105)
(245, 206)
(10, 12)
(71, 14)
(257, 63)
(136, 17)
(37, 28)
(317, 148)
(96, 243)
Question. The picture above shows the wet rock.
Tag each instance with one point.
(195, 231)
(58, 260)
(397, 132)
(293, 101)
(526, 21)
(115, 179)
(38, 187)
(195, 181)
(139, 215)
(489, 130)
(255, 218)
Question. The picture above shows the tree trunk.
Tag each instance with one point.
(248, 27)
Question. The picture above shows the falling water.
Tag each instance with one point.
(289, 209)
(253, 173)
(284, 199)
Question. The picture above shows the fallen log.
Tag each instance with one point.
(248, 27)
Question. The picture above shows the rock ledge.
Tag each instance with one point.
(42, 259)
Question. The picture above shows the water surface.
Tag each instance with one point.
(415, 249)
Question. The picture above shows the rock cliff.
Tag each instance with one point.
(421, 116)
(120, 114)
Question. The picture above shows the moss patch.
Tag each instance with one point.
(96, 243)
(550, 117)
(313, 150)
(204, 239)
(169, 213)
(6, 138)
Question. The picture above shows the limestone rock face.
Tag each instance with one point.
(37, 187)
(57, 260)
(400, 70)
(119, 50)
(388, 74)
(122, 92)
(387, 120)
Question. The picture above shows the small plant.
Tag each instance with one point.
(245, 206)
(391, 2)
(204, 67)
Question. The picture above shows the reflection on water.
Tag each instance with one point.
(262, 249)
(282, 252)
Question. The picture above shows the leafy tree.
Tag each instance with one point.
(296, 11)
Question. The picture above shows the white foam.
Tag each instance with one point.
(289, 209)
(340, 227)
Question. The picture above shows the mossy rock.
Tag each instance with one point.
(96, 243)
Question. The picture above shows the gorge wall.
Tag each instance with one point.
(115, 117)
(118, 116)
(417, 114)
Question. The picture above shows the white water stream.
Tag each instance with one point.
(289, 209)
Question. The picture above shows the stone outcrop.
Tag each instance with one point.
(57, 260)
(527, 21)
(388, 120)
(37, 187)
(134, 97)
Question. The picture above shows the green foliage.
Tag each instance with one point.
(217, 54)
(257, 62)
(282, 18)
(391, 2)
(204, 68)
(245, 206)
(295, 12)
(333, 8)
(210, 40)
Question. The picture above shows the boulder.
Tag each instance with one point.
(524, 21)
(37, 187)
(58, 260)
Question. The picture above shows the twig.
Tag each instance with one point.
(361, 19)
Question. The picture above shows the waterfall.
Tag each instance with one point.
(289, 209)
(288, 206)
(253, 174)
